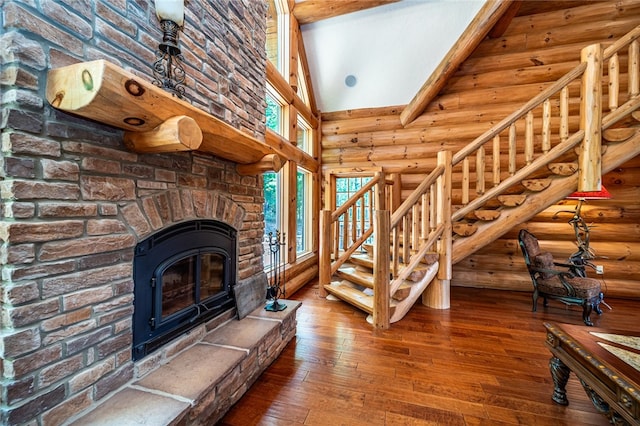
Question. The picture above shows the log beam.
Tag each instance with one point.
(477, 30)
(316, 10)
(179, 133)
(268, 163)
(104, 92)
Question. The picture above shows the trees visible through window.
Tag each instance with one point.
(345, 188)
(290, 194)
(303, 211)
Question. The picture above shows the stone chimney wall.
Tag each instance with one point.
(75, 201)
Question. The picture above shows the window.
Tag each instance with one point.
(345, 188)
(290, 194)
(303, 210)
(303, 136)
(277, 34)
(272, 182)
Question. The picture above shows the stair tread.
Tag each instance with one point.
(365, 279)
(355, 297)
(364, 259)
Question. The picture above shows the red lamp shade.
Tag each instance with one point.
(603, 194)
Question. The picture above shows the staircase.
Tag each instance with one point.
(539, 154)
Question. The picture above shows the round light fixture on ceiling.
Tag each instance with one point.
(350, 80)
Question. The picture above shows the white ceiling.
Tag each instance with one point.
(391, 50)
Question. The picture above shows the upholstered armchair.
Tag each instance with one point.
(560, 281)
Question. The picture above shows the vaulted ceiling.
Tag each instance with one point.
(374, 53)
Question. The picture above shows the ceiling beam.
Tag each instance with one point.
(310, 11)
(503, 23)
(477, 30)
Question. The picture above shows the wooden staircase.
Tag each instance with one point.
(355, 284)
(539, 154)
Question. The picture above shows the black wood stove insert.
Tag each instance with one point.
(183, 276)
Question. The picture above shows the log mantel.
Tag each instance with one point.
(153, 119)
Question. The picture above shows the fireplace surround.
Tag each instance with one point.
(76, 201)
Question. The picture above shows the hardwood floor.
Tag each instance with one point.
(482, 362)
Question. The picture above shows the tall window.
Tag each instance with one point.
(277, 31)
(303, 136)
(345, 188)
(303, 210)
(289, 195)
(272, 182)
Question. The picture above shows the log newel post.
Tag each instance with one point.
(324, 269)
(590, 158)
(438, 294)
(381, 256)
(380, 188)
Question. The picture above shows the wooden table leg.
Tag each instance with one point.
(560, 375)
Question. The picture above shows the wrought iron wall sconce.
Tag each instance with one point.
(168, 71)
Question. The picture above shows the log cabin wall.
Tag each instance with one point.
(541, 44)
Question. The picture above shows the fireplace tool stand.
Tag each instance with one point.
(276, 283)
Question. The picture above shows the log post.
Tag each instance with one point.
(614, 81)
(512, 149)
(178, 133)
(324, 261)
(496, 160)
(528, 138)
(381, 296)
(590, 158)
(480, 163)
(438, 294)
(546, 126)
(634, 63)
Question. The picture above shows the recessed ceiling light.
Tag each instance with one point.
(350, 80)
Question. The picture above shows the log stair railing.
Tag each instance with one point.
(538, 155)
(542, 152)
(409, 249)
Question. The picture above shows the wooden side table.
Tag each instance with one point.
(597, 357)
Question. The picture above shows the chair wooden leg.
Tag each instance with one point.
(535, 301)
(596, 305)
(587, 306)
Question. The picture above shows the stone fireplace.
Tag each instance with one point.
(79, 208)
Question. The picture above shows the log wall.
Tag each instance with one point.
(536, 48)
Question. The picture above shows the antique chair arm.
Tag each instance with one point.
(562, 275)
(565, 265)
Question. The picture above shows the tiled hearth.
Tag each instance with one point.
(198, 385)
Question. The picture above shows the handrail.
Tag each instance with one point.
(623, 41)
(507, 121)
(343, 231)
(596, 115)
(412, 199)
(416, 258)
(422, 221)
(554, 153)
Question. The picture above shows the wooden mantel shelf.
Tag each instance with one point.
(153, 119)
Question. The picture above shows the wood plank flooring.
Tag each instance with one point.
(482, 362)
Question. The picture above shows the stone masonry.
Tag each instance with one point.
(75, 201)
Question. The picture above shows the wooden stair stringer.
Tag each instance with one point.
(403, 306)
(560, 187)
